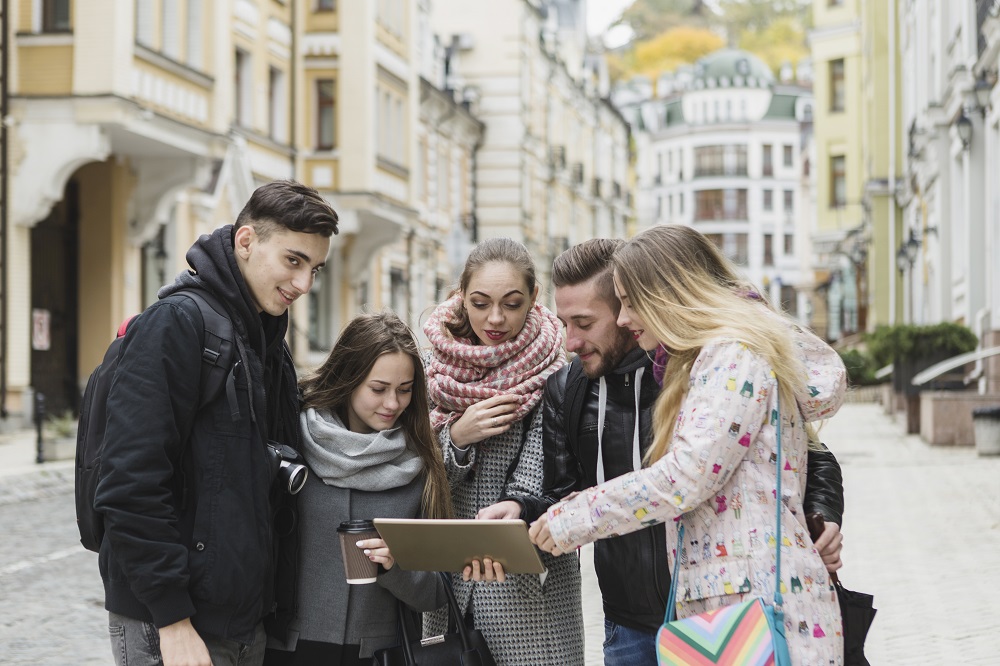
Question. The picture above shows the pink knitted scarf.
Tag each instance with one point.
(461, 373)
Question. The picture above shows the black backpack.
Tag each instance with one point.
(218, 370)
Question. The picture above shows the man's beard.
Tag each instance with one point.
(612, 357)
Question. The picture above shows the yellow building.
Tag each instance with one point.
(134, 127)
(882, 152)
(837, 67)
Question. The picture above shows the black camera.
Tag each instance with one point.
(287, 469)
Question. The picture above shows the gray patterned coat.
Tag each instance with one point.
(529, 619)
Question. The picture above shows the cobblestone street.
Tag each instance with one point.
(922, 530)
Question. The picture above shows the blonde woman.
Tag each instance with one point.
(733, 363)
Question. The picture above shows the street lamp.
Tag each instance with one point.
(983, 90)
(964, 128)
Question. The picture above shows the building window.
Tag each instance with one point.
(325, 115)
(768, 200)
(837, 88)
(144, 22)
(720, 205)
(195, 32)
(680, 203)
(768, 250)
(55, 16)
(720, 161)
(787, 156)
(838, 181)
(732, 245)
(768, 159)
(277, 98)
(326, 5)
(789, 200)
(169, 14)
(398, 293)
(243, 88)
(789, 301)
(789, 244)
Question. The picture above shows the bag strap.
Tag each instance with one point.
(778, 602)
(470, 656)
(668, 616)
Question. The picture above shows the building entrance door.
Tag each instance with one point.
(54, 305)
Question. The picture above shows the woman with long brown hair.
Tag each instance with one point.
(367, 438)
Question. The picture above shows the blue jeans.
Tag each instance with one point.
(628, 647)
(137, 643)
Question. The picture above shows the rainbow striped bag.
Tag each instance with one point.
(745, 634)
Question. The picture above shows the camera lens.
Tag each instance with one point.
(295, 474)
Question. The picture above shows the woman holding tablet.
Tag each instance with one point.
(368, 441)
(492, 348)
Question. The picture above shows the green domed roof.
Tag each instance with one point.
(733, 67)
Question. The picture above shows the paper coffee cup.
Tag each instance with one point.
(358, 569)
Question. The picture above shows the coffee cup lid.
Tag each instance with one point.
(356, 526)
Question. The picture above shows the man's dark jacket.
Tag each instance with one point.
(186, 493)
(631, 569)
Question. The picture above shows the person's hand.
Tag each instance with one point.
(542, 537)
(377, 551)
(180, 645)
(489, 571)
(829, 545)
(484, 419)
(506, 510)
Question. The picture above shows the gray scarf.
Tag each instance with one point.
(370, 461)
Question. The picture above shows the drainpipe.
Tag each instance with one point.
(292, 88)
(892, 162)
(4, 203)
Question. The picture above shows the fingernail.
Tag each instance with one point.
(367, 552)
(358, 544)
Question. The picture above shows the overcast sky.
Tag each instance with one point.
(602, 13)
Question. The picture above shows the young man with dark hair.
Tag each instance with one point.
(188, 557)
(598, 425)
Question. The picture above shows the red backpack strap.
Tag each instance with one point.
(124, 326)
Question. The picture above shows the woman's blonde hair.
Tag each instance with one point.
(366, 338)
(688, 294)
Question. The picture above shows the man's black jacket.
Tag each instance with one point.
(631, 569)
(186, 493)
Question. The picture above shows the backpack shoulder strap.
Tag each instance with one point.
(218, 351)
(576, 391)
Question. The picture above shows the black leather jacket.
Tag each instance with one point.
(632, 569)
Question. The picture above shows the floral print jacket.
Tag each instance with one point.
(719, 475)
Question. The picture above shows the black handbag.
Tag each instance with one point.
(464, 647)
(857, 611)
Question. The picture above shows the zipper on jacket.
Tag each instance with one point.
(626, 379)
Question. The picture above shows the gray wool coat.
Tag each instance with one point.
(330, 610)
(529, 619)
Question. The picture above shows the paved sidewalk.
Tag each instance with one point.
(21, 478)
(922, 533)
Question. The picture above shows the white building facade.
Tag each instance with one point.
(951, 109)
(724, 149)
